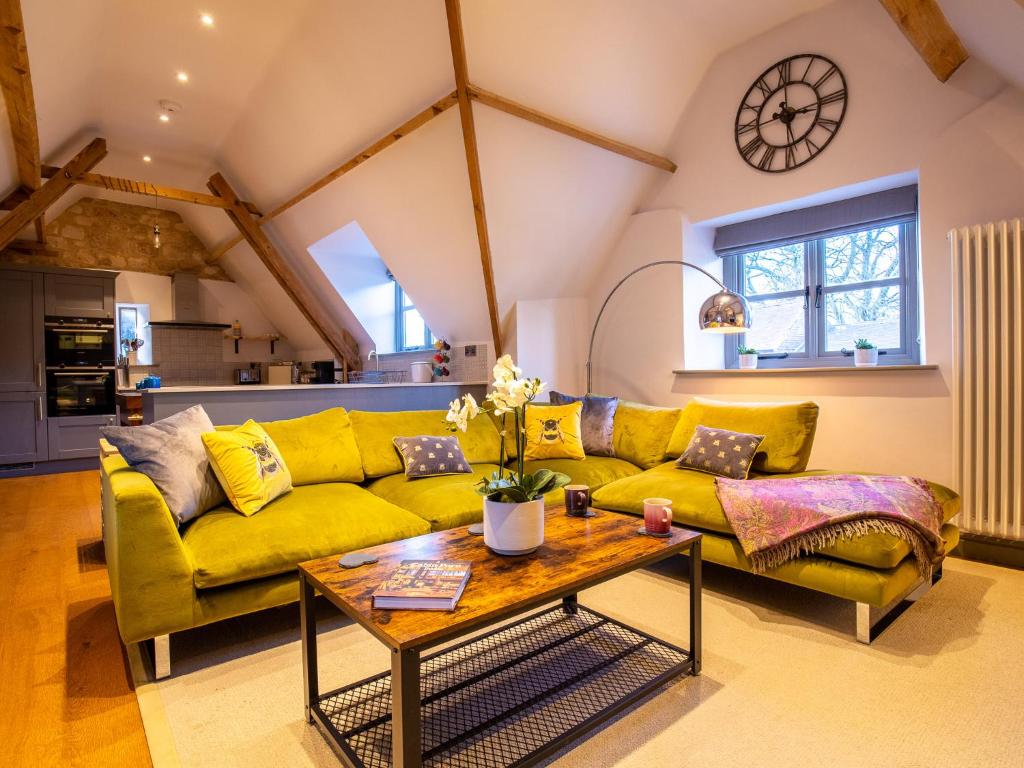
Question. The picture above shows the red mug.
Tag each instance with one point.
(658, 516)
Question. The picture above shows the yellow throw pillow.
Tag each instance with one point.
(553, 432)
(248, 465)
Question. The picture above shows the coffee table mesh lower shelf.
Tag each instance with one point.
(503, 697)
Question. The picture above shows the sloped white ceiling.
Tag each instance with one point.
(280, 93)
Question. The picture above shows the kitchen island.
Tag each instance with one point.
(269, 402)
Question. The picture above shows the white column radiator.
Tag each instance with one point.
(988, 376)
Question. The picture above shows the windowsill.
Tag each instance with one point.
(802, 371)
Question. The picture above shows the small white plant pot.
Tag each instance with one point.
(865, 357)
(513, 529)
(748, 362)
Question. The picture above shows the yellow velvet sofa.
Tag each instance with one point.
(350, 492)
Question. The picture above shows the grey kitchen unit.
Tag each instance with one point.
(76, 437)
(31, 441)
(78, 295)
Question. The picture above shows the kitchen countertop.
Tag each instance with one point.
(273, 387)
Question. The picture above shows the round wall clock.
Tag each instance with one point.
(790, 113)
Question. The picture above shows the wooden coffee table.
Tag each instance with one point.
(517, 693)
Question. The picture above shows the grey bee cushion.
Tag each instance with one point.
(597, 421)
(429, 456)
(171, 453)
(720, 452)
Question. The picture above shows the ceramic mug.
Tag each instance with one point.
(658, 516)
(577, 500)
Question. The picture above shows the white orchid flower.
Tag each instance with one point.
(470, 406)
(505, 370)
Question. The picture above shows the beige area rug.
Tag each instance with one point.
(784, 683)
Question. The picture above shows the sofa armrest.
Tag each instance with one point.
(149, 568)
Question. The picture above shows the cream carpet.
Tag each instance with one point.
(784, 682)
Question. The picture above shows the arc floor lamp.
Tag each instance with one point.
(723, 312)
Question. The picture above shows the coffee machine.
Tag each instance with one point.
(323, 372)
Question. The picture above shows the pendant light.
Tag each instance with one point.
(156, 227)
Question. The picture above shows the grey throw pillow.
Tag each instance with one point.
(428, 456)
(171, 453)
(597, 421)
(720, 452)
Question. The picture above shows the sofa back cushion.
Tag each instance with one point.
(320, 448)
(642, 432)
(788, 429)
(375, 433)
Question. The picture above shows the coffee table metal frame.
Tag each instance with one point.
(405, 674)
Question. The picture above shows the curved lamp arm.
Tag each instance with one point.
(597, 320)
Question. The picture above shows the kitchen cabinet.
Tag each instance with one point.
(23, 437)
(21, 318)
(76, 437)
(79, 296)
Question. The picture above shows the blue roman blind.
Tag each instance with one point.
(862, 212)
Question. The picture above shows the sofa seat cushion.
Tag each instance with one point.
(695, 504)
(595, 471)
(312, 521)
(445, 501)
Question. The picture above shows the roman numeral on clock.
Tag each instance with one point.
(750, 149)
(833, 69)
(746, 127)
(765, 163)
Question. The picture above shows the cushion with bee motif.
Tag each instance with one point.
(429, 456)
(720, 452)
(554, 432)
(248, 465)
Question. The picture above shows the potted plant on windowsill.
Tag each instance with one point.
(748, 357)
(513, 500)
(864, 353)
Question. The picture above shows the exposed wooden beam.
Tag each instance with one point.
(928, 30)
(42, 198)
(555, 124)
(130, 186)
(335, 336)
(359, 158)
(476, 187)
(16, 84)
(15, 198)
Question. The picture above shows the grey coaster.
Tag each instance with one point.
(355, 559)
(477, 529)
(589, 513)
(643, 532)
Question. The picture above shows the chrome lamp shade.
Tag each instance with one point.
(725, 312)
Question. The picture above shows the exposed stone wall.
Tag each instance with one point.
(105, 234)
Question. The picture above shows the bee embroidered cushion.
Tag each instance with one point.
(429, 456)
(248, 465)
(720, 452)
(554, 432)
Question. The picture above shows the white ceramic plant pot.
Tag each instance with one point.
(865, 357)
(748, 362)
(513, 529)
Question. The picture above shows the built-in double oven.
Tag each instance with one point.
(80, 366)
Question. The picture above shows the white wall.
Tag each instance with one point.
(901, 122)
(550, 342)
(219, 302)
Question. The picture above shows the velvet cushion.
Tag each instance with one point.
(320, 448)
(430, 456)
(720, 452)
(248, 465)
(788, 429)
(170, 452)
(375, 432)
(642, 432)
(593, 471)
(553, 432)
(446, 501)
(597, 421)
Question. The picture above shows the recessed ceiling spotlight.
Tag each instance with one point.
(164, 117)
(206, 19)
(147, 159)
(182, 77)
(168, 108)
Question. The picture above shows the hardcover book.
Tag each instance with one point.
(424, 585)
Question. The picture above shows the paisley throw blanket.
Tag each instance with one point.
(779, 520)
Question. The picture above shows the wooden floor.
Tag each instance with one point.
(66, 695)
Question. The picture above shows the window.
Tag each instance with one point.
(811, 300)
(411, 331)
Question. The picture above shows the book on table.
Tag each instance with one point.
(424, 585)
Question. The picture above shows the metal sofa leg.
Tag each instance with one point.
(161, 657)
(871, 622)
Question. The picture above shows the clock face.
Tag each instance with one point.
(790, 113)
